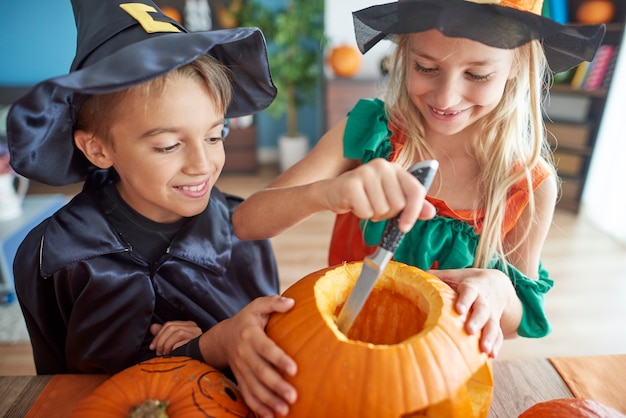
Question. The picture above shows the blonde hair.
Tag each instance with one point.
(512, 139)
(98, 112)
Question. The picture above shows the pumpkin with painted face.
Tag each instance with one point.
(165, 387)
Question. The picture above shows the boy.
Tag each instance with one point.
(143, 261)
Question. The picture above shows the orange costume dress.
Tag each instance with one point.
(450, 239)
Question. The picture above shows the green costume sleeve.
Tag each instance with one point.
(531, 293)
(366, 136)
(441, 242)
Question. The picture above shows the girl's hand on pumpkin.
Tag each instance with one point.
(256, 361)
(379, 190)
(171, 335)
(487, 297)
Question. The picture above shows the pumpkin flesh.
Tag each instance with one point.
(407, 353)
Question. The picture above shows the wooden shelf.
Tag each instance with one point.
(240, 149)
(343, 93)
(573, 136)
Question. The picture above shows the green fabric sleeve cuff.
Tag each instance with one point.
(366, 136)
(531, 293)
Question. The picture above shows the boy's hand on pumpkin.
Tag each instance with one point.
(256, 361)
(487, 297)
(379, 190)
(172, 334)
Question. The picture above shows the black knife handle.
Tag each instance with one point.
(424, 171)
(392, 235)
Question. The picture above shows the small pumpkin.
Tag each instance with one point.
(407, 354)
(165, 387)
(595, 11)
(172, 13)
(344, 60)
(571, 408)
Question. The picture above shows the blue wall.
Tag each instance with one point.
(310, 124)
(37, 40)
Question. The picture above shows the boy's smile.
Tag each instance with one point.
(167, 150)
(194, 190)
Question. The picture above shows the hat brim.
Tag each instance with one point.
(498, 26)
(42, 122)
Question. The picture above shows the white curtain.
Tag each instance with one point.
(604, 198)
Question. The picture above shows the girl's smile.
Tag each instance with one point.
(454, 82)
(444, 114)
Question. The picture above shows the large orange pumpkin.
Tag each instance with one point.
(407, 354)
(571, 408)
(344, 60)
(176, 386)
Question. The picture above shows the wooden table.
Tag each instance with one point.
(518, 384)
(18, 394)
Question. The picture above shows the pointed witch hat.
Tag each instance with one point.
(120, 45)
(503, 24)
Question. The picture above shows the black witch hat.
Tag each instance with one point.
(503, 24)
(120, 45)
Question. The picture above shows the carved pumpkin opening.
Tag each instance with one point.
(388, 317)
(395, 310)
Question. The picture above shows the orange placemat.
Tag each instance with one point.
(601, 378)
(62, 394)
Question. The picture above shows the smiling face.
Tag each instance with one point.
(454, 82)
(168, 158)
(163, 138)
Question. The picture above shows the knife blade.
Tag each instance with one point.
(374, 265)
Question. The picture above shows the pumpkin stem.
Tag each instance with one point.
(150, 408)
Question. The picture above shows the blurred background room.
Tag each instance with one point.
(586, 248)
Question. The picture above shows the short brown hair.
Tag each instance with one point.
(98, 111)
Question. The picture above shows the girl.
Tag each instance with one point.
(465, 88)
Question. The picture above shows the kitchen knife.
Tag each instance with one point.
(374, 265)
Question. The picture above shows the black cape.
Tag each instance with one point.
(88, 299)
